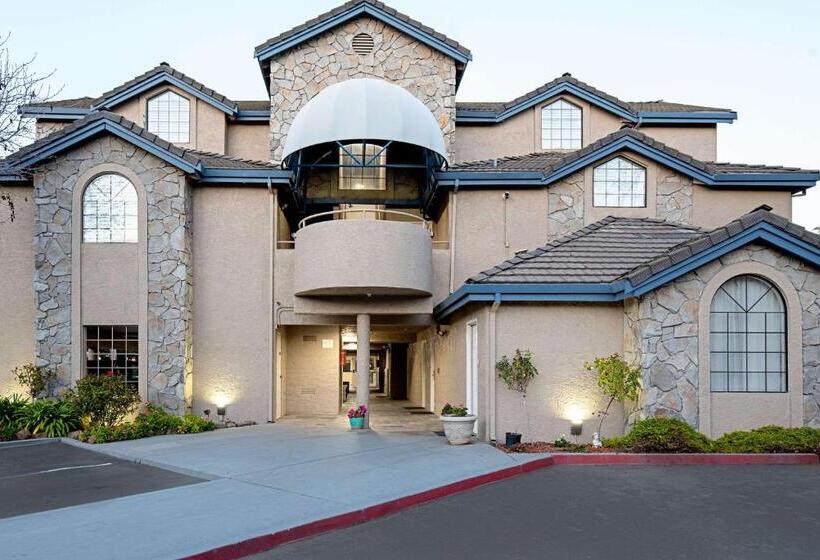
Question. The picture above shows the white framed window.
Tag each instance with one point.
(747, 337)
(169, 117)
(560, 126)
(110, 210)
(619, 183)
(362, 167)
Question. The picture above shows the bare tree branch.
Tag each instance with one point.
(19, 85)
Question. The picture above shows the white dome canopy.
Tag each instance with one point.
(364, 109)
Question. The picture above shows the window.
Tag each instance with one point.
(110, 210)
(113, 351)
(362, 167)
(561, 126)
(168, 117)
(747, 337)
(619, 183)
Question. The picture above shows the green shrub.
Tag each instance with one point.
(661, 435)
(770, 439)
(12, 410)
(153, 422)
(105, 400)
(36, 379)
(50, 418)
(454, 410)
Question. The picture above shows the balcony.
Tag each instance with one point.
(363, 252)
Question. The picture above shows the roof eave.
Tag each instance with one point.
(213, 175)
(686, 117)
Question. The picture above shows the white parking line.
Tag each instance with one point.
(58, 469)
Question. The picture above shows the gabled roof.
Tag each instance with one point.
(647, 112)
(162, 74)
(205, 166)
(544, 168)
(618, 258)
(351, 10)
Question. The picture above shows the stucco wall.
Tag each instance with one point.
(300, 73)
(110, 283)
(561, 338)
(670, 335)
(17, 303)
(248, 141)
(699, 141)
(312, 372)
(232, 309)
(716, 207)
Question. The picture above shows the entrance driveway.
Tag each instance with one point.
(608, 512)
(262, 479)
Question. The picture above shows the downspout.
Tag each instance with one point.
(453, 218)
(491, 333)
(271, 330)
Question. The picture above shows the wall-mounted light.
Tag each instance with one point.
(441, 330)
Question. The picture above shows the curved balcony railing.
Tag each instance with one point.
(365, 213)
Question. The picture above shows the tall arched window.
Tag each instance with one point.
(748, 337)
(619, 183)
(169, 117)
(110, 210)
(560, 126)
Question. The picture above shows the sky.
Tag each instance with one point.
(760, 58)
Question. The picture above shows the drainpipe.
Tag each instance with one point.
(453, 214)
(271, 310)
(491, 333)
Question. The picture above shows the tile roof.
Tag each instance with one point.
(633, 107)
(547, 161)
(194, 157)
(630, 249)
(77, 102)
(352, 3)
(163, 67)
(599, 253)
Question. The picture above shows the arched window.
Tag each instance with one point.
(619, 183)
(560, 126)
(110, 210)
(169, 116)
(747, 337)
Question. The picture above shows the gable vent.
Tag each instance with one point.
(362, 43)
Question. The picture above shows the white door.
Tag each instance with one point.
(471, 400)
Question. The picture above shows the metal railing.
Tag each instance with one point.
(378, 214)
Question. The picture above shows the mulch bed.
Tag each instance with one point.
(547, 447)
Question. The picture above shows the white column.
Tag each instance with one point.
(363, 363)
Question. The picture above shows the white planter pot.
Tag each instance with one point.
(458, 429)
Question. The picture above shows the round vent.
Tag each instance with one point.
(362, 43)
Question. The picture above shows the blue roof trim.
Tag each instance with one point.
(759, 232)
(159, 79)
(353, 12)
(622, 289)
(248, 176)
(54, 112)
(249, 115)
(98, 127)
(490, 178)
(684, 117)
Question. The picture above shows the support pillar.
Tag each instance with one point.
(363, 363)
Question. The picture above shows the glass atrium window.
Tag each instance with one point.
(362, 167)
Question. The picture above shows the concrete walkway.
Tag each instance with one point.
(262, 479)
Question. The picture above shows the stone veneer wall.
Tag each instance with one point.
(674, 197)
(565, 206)
(301, 73)
(663, 335)
(169, 263)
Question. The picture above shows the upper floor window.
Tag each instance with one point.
(169, 117)
(747, 337)
(619, 183)
(110, 210)
(362, 167)
(561, 126)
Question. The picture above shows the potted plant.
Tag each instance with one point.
(516, 375)
(356, 416)
(458, 424)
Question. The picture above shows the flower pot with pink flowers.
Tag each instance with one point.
(356, 416)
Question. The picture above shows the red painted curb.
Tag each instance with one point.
(685, 459)
(266, 542)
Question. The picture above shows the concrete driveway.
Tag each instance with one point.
(262, 479)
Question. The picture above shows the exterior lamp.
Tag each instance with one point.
(220, 411)
(576, 420)
(576, 427)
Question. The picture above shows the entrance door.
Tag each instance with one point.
(471, 399)
(398, 372)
